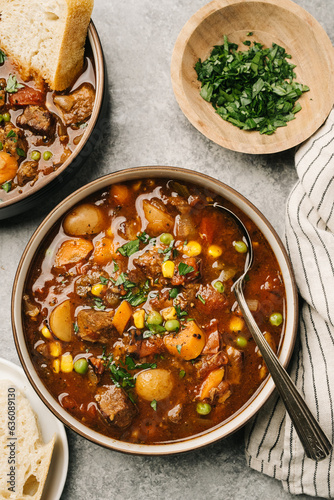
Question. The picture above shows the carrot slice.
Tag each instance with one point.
(122, 316)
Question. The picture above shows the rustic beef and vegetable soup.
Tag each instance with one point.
(39, 128)
(129, 315)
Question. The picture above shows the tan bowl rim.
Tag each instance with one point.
(265, 390)
(95, 43)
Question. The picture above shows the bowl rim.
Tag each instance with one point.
(98, 57)
(209, 131)
(265, 390)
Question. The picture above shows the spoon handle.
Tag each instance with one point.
(315, 443)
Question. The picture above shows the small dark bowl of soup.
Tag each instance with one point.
(45, 136)
(123, 314)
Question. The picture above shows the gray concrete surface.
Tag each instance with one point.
(146, 127)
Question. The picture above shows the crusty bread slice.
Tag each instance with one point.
(25, 450)
(46, 38)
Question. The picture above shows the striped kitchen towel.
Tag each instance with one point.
(272, 445)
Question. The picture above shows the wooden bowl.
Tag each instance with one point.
(284, 23)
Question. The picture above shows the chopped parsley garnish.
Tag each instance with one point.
(185, 269)
(11, 133)
(252, 89)
(98, 304)
(7, 186)
(119, 372)
(173, 293)
(13, 85)
(75, 327)
(180, 314)
(104, 280)
(182, 373)
(178, 348)
(116, 267)
(153, 330)
(123, 280)
(132, 365)
(154, 405)
(20, 152)
(140, 296)
(169, 251)
(201, 298)
(2, 56)
(129, 248)
(144, 237)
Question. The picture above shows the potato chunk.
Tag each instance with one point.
(61, 321)
(159, 221)
(84, 219)
(154, 384)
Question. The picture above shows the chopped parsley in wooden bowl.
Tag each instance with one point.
(274, 61)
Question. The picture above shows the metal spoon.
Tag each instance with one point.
(315, 443)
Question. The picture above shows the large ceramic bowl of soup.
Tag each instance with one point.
(123, 314)
(46, 136)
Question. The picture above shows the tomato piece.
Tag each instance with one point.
(27, 95)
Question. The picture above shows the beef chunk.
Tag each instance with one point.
(37, 119)
(3, 85)
(115, 405)
(77, 106)
(150, 263)
(28, 172)
(95, 326)
(12, 140)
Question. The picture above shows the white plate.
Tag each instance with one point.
(49, 425)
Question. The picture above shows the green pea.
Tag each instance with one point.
(47, 155)
(276, 319)
(154, 318)
(172, 325)
(166, 238)
(203, 408)
(240, 246)
(6, 117)
(242, 342)
(35, 155)
(219, 286)
(81, 366)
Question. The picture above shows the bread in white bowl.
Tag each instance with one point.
(46, 38)
(24, 457)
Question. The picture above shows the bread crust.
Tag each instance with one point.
(58, 71)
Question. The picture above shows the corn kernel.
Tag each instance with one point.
(46, 332)
(236, 324)
(169, 313)
(55, 349)
(66, 363)
(215, 251)
(97, 289)
(139, 319)
(168, 269)
(192, 248)
(56, 365)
